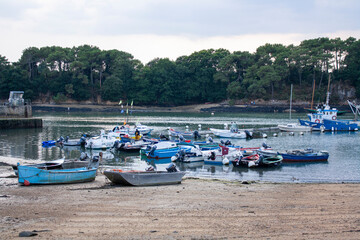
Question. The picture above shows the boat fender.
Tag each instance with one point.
(26, 183)
(251, 164)
(225, 161)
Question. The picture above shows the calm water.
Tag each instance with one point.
(344, 148)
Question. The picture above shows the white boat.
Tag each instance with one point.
(294, 127)
(225, 133)
(130, 130)
(190, 156)
(100, 142)
(221, 156)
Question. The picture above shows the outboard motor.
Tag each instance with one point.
(171, 168)
(222, 142)
(67, 139)
(265, 145)
(248, 134)
(212, 156)
(82, 141)
(181, 138)
(150, 169)
(210, 139)
(181, 155)
(152, 150)
(116, 145)
(163, 137)
(83, 156)
(60, 140)
(196, 134)
(228, 142)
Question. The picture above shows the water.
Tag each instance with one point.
(343, 164)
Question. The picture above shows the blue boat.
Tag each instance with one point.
(340, 125)
(48, 143)
(69, 173)
(306, 155)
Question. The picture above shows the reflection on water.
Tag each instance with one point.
(343, 164)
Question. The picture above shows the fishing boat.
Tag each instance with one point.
(294, 127)
(304, 155)
(145, 178)
(248, 161)
(67, 172)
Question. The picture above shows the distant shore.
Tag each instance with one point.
(266, 107)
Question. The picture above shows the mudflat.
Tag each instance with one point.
(195, 209)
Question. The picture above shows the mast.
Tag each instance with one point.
(328, 91)
(313, 93)
(291, 99)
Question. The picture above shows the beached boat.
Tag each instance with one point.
(144, 178)
(67, 172)
(294, 127)
(304, 155)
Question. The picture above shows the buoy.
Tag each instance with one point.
(291, 134)
(212, 114)
(275, 135)
(264, 135)
(26, 183)
(225, 161)
(173, 159)
(301, 133)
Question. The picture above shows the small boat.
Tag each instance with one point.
(248, 161)
(161, 150)
(145, 178)
(67, 172)
(305, 155)
(270, 161)
(294, 127)
(225, 133)
(132, 145)
(48, 143)
(100, 142)
(189, 134)
(194, 155)
(72, 142)
(131, 130)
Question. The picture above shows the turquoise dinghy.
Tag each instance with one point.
(68, 173)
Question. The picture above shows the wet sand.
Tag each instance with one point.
(195, 209)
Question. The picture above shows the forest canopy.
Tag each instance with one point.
(87, 73)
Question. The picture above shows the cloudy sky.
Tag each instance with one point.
(171, 28)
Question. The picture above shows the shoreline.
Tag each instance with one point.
(279, 107)
(195, 209)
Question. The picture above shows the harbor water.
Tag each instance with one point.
(344, 148)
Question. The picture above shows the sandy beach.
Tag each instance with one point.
(195, 209)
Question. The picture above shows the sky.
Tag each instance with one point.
(150, 29)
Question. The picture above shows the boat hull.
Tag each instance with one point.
(144, 178)
(304, 158)
(32, 175)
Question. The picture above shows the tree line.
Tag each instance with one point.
(87, 73)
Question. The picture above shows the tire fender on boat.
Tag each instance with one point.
(317, 120)
(333, 118)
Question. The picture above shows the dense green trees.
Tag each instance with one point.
(87, 73)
